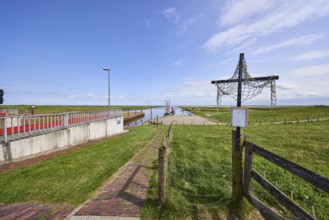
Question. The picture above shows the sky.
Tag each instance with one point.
(52, 52)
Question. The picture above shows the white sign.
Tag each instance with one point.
(239, 117)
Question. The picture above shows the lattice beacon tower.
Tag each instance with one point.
(242, 86)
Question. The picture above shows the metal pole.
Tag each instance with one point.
(108, 87)
(109, 92)
(238, 129)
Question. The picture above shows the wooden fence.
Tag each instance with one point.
(164, 153)
(249, 174)
(242, 176)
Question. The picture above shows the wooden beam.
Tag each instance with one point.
(281, 197)
(164, 151)
(264, 78)
(237, 170)
(266, 212)
(311, 177)
(247, 168)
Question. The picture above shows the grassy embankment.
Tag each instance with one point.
(50, 109)
(73, 177)
(200, 169)
(265, 114)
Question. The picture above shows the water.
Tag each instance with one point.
(151, 113)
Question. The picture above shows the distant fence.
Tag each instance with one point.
(316, 180)
(13, 127)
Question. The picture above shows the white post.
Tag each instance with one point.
(66, 120)
(5, 129)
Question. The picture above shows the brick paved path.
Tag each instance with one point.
(124, 194)
(33, 210)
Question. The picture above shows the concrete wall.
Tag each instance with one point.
(32, 146)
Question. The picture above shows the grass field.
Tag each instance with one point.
(200, 169)
(50, 109)
(265, 114)
(73, 177)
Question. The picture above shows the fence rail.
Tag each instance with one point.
(315, 179)
(13, 127)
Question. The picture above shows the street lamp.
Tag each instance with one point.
(108, 69)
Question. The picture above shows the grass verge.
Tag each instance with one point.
(200, 170)
(73, 177)
(265, 114)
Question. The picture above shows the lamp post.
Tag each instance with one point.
(108, 70)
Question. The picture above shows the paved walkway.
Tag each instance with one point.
(33, 210)
(124, 195)
(187, 120)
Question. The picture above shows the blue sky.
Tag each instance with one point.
(52, 52)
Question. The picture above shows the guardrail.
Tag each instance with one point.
(13, 127)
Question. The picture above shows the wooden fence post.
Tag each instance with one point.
(248, 156)
(237, 170)
(163, 172)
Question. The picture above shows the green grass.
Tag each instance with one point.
(72, 178)
(50, 109)
(306, 144)
(201, 164)
(265, 114)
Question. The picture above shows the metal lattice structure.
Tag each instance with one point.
(241, 86)
(250, 86)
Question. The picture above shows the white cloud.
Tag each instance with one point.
(303, 40)
(312, 55)
(171, 13)
(182, 24)
(254, 23)
(235, 11)
(178, 63)
(92, 96)
(120, 97)
(316, 70)
(88, 96)
(186, 25)
(14, 90)
(285, 86)
(191, 88)
(75, 96)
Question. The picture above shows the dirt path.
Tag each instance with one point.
(124, 195)
(186, 120)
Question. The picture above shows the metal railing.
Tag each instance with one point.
(13, 127)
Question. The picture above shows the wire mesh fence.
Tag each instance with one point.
(196, 183)
(207, 187)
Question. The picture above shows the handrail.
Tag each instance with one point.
(14, 127)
